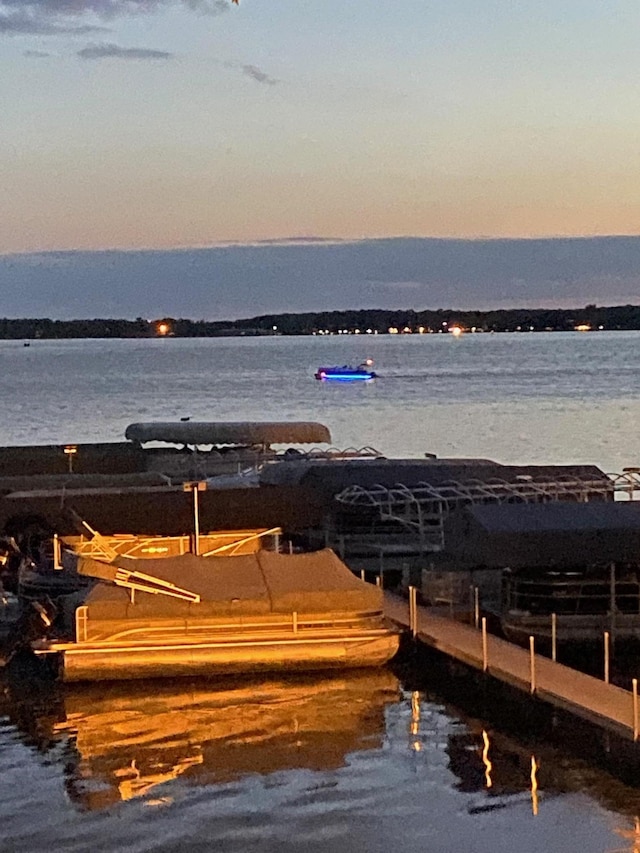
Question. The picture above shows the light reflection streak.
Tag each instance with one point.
(415, 720)
(534, 785)
(485, 759)
(633, 835)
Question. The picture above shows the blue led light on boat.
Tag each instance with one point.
(347, 373)
(346, 377)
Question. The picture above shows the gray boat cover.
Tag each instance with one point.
(252, 585)
(230, 433)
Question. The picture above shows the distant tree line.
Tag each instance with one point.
(504, 320)
(618, 317)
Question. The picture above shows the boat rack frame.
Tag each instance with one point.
(421, 509)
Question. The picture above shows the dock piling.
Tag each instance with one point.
(476, 606)
(485, 654)
(532, 665)
(606, 657)
(554, 637)
(413, 611)
(634, 684)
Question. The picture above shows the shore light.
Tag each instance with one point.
(456, 331)
(163, 329)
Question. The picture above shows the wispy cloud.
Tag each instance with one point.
(256, 74)
(114, 51)
(56, 17)
(26, 23)
(36, 54)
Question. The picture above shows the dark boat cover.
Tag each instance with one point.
(240, 433)
(555, 534)
(254, 585)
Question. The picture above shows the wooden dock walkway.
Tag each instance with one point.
(593, 700)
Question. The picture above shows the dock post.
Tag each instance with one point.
(195, 488)
(413, 616)
(294, 620)
(532, 665)
(554, 637)
(57, 563)
(485, 655)
(634, 685)
(379, 581)
(362, 575)
(476, 607)
(606, 657)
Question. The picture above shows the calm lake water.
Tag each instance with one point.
(340, 763)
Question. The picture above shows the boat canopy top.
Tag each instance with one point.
(241, 433)
(557, 534)
(190, 588)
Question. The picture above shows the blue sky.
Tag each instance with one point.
(162, 125)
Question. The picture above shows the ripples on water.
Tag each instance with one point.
(348, 763)
(517, 398)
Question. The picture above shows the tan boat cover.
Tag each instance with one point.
(230, 433)
(252, 585)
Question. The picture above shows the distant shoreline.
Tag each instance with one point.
(364, 321)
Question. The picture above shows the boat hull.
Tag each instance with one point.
(115, 662)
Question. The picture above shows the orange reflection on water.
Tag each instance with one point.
(485, 759)
(633, 835)
(132, 738)
(534, 785)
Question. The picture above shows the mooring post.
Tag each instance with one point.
(634, 685)
(476, 607)
(294, 619)
(532, 661)
(554, 637)
(362, 575)
(413, 618)
(485, 655)
(411, 610)
(606, 657)
(195, 488)
(57, 562)
(196, 521)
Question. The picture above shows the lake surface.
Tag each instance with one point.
(352, 762)
(515, 398)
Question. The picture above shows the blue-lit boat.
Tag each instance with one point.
(346, 373)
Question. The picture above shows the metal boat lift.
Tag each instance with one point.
(419, 510)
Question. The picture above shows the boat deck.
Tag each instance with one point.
(605, 705)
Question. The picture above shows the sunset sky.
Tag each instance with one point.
(154, 124)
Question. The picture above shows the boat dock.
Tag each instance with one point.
(605, 705)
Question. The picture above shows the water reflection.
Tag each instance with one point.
(633, 836)
(123, 741)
